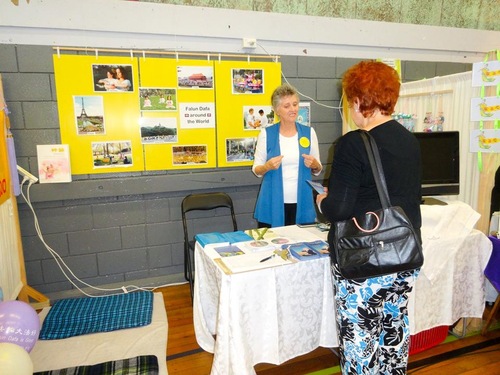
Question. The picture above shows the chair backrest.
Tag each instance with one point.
(204, 202)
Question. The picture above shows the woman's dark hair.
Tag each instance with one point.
(123, 72)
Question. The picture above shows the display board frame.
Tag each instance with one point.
(199, 123)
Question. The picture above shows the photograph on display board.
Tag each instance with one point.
(189, 155)
(248, 81)
(240, 149)
(195, 77)
(89, 115)
(113, 78)
(158, 130)
(257, 117)
(158, 99)
(112, 154)
(304, 116)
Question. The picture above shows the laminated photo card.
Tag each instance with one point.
(229, 250)
(308, 250)
(53, 163)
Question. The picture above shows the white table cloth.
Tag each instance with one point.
(274, 314)
(458, 291)
(269, 315)
(451, 284)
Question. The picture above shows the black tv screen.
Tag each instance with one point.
(440, 162)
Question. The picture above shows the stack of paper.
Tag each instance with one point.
(215, 237)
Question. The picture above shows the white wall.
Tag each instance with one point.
(142, 26)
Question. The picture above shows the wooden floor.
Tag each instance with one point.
(474, 354)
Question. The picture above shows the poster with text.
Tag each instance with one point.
(189, 115)
(126, 114)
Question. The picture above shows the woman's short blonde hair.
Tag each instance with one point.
(282, 91)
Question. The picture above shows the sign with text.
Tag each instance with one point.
(197, 115)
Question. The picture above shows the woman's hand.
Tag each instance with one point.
(311, 162)
(273, 163)
(320, 197)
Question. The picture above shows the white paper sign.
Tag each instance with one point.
(197, 115)
(486, 109)
(486, 73)
(486, 140)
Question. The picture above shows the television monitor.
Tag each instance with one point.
(440, 162)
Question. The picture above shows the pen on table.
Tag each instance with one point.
(269, 257)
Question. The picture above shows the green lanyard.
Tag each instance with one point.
(496, 123)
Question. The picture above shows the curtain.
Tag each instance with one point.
(450, 96)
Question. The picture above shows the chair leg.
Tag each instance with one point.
(493, 312)
(186, 258)
(190, 272)
(191, 265)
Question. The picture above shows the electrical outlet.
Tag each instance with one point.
(249, 43)
(23, 172)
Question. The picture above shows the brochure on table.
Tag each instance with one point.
(268, 249)
(309, 250)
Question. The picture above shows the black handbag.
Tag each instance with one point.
(380, 242)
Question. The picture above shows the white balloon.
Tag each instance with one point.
(14, 360)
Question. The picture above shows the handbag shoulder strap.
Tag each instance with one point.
(376, 165)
